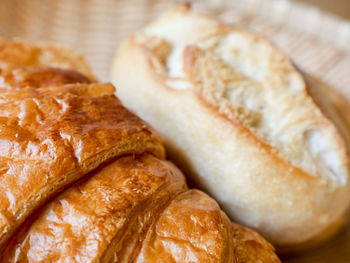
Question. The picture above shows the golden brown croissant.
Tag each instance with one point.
(51, 137)
(130, 205)
(135, 210)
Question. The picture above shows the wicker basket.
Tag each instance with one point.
(318, 43)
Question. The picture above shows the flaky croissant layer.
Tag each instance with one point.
(85, 180)
(136, 209)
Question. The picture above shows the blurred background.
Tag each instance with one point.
(337, 7)
(314, 33)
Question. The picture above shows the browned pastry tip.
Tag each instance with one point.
(18, 53)
(37, 66)
(52, 136)
(38, 77)
(251, 246)
(193, 228)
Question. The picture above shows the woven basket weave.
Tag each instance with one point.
(318, 43)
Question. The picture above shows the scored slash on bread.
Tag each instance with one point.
(238, 116)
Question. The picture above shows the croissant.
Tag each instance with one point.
(85, 180)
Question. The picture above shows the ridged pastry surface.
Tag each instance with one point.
(51, 136)
(102, 218)
(193, 228)
(136, 209)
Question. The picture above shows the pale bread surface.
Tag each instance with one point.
(237, 114)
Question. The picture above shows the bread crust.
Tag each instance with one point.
(252, 181)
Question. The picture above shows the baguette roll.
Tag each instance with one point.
(239, 118)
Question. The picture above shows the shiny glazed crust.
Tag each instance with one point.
(52, 136)
(258, 180)
(136, 209)
(15, 78)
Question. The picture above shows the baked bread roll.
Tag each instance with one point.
(238, 117)
(84, 180)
